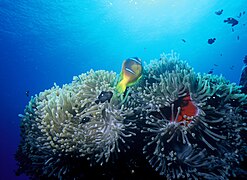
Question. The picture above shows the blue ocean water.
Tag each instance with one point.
(42, 42)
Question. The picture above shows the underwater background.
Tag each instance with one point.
(42, 42)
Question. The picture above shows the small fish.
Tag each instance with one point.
(221, 54)
(188, 109)
(104, 96)
(231, 21)
(232, 67)
(211, 71)
(237, 37)
(218, 12)
(27, 93)
(216, 65)
(183, 40)
(211, 40)
(85, 120)
(240, 14)
(243, 12)
(130, 74)
(232, 30)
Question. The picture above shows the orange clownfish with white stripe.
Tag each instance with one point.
(130, 74)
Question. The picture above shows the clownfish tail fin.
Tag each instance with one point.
(121, 87)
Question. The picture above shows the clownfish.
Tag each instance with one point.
(130, 74)
(188, 109)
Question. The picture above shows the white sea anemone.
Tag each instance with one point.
(63, 125)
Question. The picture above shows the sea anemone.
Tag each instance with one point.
(184, 124)
(64, 126)
(193, 124)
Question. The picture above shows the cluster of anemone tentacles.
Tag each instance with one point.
(173, 122)
(194, 125)
(63, 126)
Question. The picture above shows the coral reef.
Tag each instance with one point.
(172, 124)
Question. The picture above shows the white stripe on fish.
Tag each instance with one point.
(129, 70)
(137, 60)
